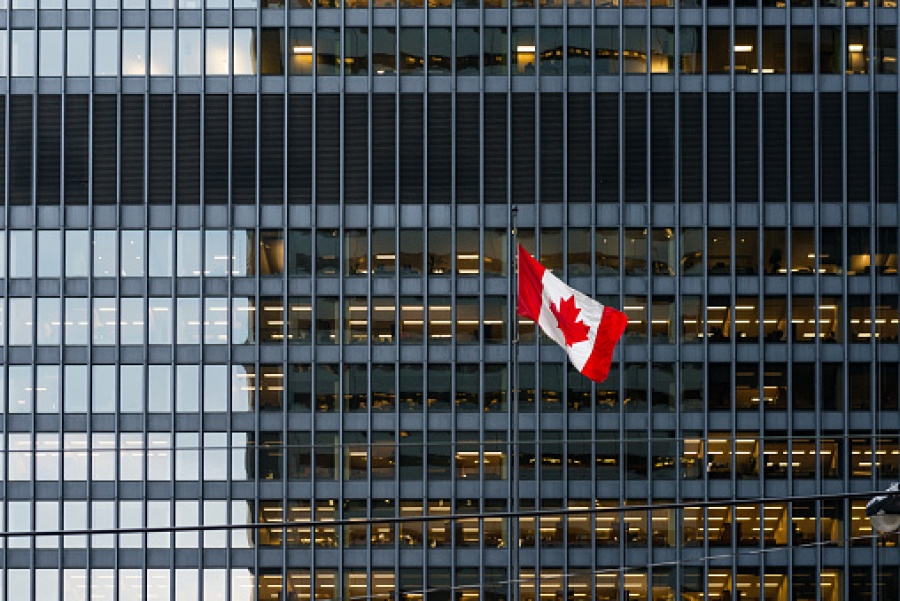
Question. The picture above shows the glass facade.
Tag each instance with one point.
(254, 264)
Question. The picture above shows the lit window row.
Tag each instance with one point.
(463, 583)
(500, 50)
(385, 252)
(385, 455)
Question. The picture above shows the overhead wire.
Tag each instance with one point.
(424, 518)
(623, 569)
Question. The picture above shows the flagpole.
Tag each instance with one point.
(514, 576)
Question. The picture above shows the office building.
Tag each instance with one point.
(255, 267)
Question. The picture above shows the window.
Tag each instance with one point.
(384, 58)
(412, 50)
(106, 52)
(662, 49)
(691, 50)
(134, 52)
(272, 50)
(524, 51)
(356, 50)
(300, 51)
(23, 53)
(440, 57)
(634, 50)
(495, 52)
(189, 51)
(773, 50)
(857, 50)
(162, 45)
(468, 52)
(607, 50)
(829, 49)
(551, 51)
(802, 49)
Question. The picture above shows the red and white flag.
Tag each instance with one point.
(587, 330)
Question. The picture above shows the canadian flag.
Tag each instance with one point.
(587, 330)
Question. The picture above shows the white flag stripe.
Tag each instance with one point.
(591, 315)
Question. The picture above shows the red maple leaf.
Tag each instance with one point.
(567, 319)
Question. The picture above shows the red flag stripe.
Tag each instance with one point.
(611, 328)
(530, 286)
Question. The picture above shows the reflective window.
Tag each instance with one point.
(77, 253)
(886, 50)
(104, 321)
(105, 251)
(579, 51)
(187, 388)
(159, 389)
(162, 45)
(49, 252)
(131, 459)
(78, 52)
(299, 252)
(106, 52)
(412, 50)
(662, 49)
(19, 390)
(802, 49)
(440, 54)
(132, 253)
(103, 388)
(159, 467)
(131, 321)
(356, 51)
(244, 51)
(468, 52)
(159, 318)
(691, 49)
(21, 322)
(131, 388)
(188, 323)
(46, 389)
(524, 51)
(134, 52)
(75, 389)
(328, 51)
(216, 253)
(51, 53)
(189, 256)
(189, 51)
(384, 57)
(160, 254)
(217, 51)
(21, 254)
(243, 321)
(49, 321)
(3, 73)
(22, 55)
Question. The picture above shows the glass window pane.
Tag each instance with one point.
(75, 389)
(189, 51)
(23, 58)
(468, 53)
(160, 255)
(48, 253)
(159, 390)
(272, 51)
(51, 53)
(132, 253)
(162, 46)
(131, 388)
(412, 50)
(78, 53)
(21, 254)
(105, 322)
(47, 389)
(21, 322)
(159, 320)
(103, 388)
(49, 322)
(244, 51)
(77, 253)
(188, 253)
(356, 51)
(217, 51)
(106, 51)
(440, 57)
(384, 57)
(105, 252)
(134, 51)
